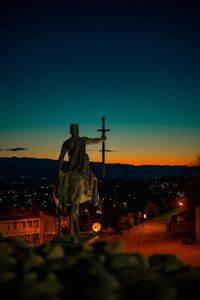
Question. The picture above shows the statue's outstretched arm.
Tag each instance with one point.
(90, 141)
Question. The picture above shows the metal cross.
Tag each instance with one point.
(103, 130)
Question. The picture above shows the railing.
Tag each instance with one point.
(34, 230)
(20, 227)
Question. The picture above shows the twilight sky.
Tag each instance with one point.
(135, 62)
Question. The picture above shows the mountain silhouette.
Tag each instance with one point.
(39, 167)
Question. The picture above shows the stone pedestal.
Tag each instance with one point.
(84, 237)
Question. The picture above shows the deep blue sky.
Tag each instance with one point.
(135, 62)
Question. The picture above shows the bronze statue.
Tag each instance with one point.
(78, 184)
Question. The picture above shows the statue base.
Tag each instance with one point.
(84, 238)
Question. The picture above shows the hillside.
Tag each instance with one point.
(35, 167)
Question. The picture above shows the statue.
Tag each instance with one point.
(78, 184)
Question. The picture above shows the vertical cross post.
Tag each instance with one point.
(103, 131)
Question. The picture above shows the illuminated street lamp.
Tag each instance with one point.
(96, 227)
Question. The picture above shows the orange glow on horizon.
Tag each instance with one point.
(116, 159)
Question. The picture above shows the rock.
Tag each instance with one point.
(165, 262)
(120, 260)
(56, 252)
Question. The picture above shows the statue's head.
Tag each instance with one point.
(74, 129)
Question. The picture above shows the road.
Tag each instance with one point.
(152, 237)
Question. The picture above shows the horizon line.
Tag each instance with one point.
(116, 163)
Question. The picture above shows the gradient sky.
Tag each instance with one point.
(135, 62)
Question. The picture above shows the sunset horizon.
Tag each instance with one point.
(111, 161)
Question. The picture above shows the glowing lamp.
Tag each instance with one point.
(96, 227)
(180, 203)
(145, 216)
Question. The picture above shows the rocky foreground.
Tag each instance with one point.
(100, 271)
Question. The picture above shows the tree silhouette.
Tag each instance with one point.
(192, 183)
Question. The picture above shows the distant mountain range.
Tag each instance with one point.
(35, 167)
